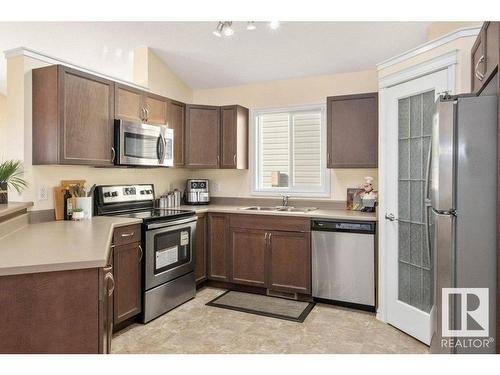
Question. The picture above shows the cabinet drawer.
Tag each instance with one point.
(127, 234)
(283, 223)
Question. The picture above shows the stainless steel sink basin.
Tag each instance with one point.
(260, 208)
(280, 209)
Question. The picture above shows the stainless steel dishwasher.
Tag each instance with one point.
(343, 262)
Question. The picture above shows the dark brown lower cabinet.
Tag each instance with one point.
(248, 256)
(263, 251)
(200, 249)
(218, 236)
(290, 262)
(56, 312)
(127, 272)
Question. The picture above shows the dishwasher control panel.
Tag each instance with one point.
(343, 226)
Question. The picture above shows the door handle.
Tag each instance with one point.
(479, 75)
(390, 217)
(142, 253)
(109, 277)
(113, 153)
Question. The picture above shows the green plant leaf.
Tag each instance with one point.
(11, 172)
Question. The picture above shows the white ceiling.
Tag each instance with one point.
(296, 49)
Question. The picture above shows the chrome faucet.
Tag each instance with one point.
(284, 200)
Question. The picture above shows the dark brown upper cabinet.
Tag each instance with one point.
(234, 137)
(140, 106)
(484, 56)
(352, 131)
(176, 121)
(202, 136)
(73, 116)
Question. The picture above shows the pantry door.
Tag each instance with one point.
(405, 139)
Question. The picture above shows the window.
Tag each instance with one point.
(289, 145)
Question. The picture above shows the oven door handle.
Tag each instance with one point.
(170, 224)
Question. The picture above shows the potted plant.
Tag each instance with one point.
(11, 172)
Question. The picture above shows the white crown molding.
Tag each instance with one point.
(23, 51)
(457, 34)
(445, 61)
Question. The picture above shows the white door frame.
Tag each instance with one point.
(446, 62)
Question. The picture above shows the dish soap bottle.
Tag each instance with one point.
(68, 205)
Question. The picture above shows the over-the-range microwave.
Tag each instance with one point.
(144, 145)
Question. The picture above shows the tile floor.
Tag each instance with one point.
(196, 328)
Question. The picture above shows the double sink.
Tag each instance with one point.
(280, 209)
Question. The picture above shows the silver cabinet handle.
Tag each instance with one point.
(142, 115)
(128, 234)
(218, 160)
(234, 159)
(146, 112)
(270, 239)
(113, 153)
(142, 253)
(328, 158)
(390, 217)
(266, 239)
(109, 277)
(479, 75)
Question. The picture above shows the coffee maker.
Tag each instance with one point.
(197, 192)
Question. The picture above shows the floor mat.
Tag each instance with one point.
(258, 304)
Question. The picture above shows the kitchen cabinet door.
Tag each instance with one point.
(248, 256)
(218, 232)
(156, 109)
(352, 131)
(290, 262)
(127, 273)
(200, 249)
(176, 121)
(72, 117)
(234, 137)
(492, 40)
(202, 136)
(129, 103)
(478, 63)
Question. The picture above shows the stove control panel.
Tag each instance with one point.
(127, 193)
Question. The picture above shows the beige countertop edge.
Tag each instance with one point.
(52, 265)
(320, 213)
(13, 207)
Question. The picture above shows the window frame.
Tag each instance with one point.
(324, 190)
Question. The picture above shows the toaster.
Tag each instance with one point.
(196, 192)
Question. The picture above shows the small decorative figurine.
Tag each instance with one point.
(369, 196)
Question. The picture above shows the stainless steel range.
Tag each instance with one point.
(167, 239)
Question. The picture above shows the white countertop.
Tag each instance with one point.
(59, 245)
(320, 213)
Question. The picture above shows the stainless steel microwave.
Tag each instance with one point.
(143, 145)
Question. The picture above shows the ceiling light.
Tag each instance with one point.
(218, 30)
(227, 29)
(274, 24)
(251, 25)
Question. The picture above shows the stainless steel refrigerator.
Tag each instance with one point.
(461, 212)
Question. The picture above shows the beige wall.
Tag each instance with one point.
(153, 73)
(437, 29)
(281, 93)
(3, 121)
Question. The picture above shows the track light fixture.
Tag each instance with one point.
(226, 27)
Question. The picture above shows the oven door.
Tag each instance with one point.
(143, 144)
(169, 252)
